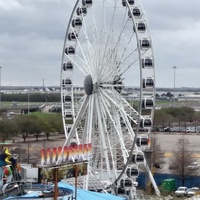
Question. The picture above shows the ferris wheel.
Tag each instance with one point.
(108, 86)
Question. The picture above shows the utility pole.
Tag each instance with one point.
(174, 67)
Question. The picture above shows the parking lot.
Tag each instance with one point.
(168, 143)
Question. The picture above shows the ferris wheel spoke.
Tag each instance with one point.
(110, 65)
(96, 42)
(116, 126)
(88, 62)
(79, 66)
(87, 133)
(122, 60)
(85, 61)
(117, 105)
(102, 132)
(106, 46)
(123, 114)
(78, 117)
(130, 107)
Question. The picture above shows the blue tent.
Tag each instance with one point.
(81, 194)
(89, 195)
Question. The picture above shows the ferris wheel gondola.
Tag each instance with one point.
(108, 51)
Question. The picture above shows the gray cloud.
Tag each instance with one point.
(32, 35)
(31, 40)
(175, 29)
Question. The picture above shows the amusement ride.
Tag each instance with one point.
(108, 51)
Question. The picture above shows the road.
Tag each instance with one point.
(168, 143)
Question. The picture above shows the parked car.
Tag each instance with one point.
(190, 130)
(174, 129)
(192, 191)
(167, 129)
(155, 129)
(172, 167)
(181, 191)
(157, 166)
(193, 165)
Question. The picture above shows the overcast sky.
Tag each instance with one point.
(32, 35)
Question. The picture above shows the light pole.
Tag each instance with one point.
(0, 87)
(28, 101)
(174, 67)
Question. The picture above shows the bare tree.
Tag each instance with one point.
(157, 157)
(182, 158)
(154, 157)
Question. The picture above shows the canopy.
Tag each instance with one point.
(89, 195)
(81, 194)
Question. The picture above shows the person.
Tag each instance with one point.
(4, 180)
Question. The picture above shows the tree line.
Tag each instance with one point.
(25, 125)
(32, 97)
(32, 125)
(179, 116)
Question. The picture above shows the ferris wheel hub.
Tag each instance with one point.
(88, 85)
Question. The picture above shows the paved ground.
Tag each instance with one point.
(168, 143)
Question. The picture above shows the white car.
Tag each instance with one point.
(192, 191)
(193, 165)
(181, 191)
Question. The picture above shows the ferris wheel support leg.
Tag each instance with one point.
(132, 194)
(152, 180)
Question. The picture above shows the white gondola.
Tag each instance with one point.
(77, 22)
(147, 103)
(72, 36)
(141, 27)
(87, 2)
(138, 158)
(70, 50)
(147, 62)
(131, 2)
(126, 183)
(132, 171)
(68, 115)
(136, 13)
(67, 99)
(121, 190)
(148, 83)
(67, 66)
(81, 11)
(143, 141)
(145, 123)
(145, 43)
(67, 81)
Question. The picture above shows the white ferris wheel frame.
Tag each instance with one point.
(102, 106)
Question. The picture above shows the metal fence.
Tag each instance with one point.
(190, 181)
